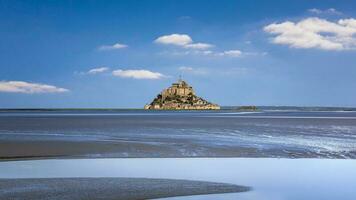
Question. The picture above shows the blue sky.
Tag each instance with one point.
(121, 54)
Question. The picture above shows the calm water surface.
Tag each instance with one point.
(271, 178)
(290, 134)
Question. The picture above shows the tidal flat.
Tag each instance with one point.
(162, 134)
(108, 188)
(264, 155)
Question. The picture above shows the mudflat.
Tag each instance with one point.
(127, 134)
(37, 149)
(108, 188)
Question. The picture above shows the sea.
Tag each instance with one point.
(281, 153)
(277, 132)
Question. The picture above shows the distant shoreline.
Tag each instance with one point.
(260, 108)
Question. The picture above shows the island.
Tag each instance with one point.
(180, 96)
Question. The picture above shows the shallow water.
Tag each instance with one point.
(271, 178)
(289, 134)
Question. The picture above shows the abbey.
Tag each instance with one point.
(180, 96)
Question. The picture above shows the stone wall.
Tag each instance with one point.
(180, 96)
(180, 89)
(176, 106)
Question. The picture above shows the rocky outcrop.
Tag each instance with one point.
(180, 96)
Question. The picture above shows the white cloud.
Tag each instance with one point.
(186, 52)
(98, 70)
(175, 39)
(138, 74)
(186, 42)
(112, 47)
(348, 22)
(182, 40)
(29, 88)
(327, 11)
(207, 52)
(191, 70)
(263, 53)
(184, 68)
(315, 33)
(233, 71)
(234, 53)
(231, 53)
(201, 46)
(237, 53)
(315, 10)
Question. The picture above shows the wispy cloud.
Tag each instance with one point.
(185, 17)
(191, 70)
(203, 49)
(236, 71)
(184, 68)
(112, 47)
(315, 33)
(182, 40)
(98, 70)
(214, 71)
(128, 73)
(231, 53)
(198, 46)
(29, 88)
(327, 11)
(93, 71)
(137, 74)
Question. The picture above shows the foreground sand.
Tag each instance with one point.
(108, 188)
(271, 178)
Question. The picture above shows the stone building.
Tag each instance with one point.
(180, 96)
(177, 89)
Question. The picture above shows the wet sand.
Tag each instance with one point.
(108, 188)
(41, 149)
(27, 149)
(37, 149)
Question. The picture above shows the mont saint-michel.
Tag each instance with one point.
(180, 96)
